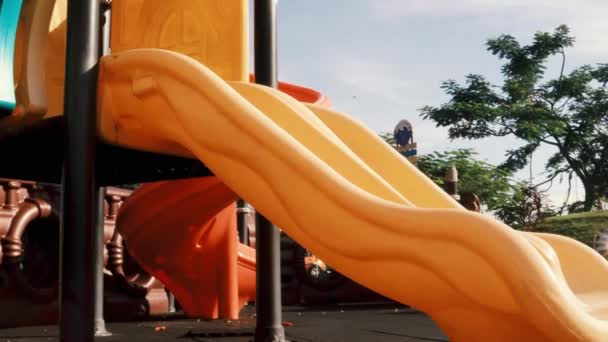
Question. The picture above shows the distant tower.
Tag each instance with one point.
(451, 182)
(404, 138)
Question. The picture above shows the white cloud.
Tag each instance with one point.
(585, 17)
(447, 8)
(442, 8)
(370, 77)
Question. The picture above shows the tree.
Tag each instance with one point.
(569, 112)
(494, 186)
(527, 208)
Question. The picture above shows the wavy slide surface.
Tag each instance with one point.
(195, 258)
(315, 174)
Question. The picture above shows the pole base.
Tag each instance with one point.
(100, 329)
(171, 300)
(270, 334)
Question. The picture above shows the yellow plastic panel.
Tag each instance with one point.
(55, 59)
(477, 278)
(214, 32)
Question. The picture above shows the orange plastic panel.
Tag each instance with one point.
(40, 79)
(214, 32)
(302, 94)
(184, 234)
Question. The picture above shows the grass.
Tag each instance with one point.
(581, 226)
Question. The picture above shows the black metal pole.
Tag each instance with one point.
(105, 26)
(100, 323)
(268, 249)
(269, 326)
(242, 211)
(171, 301)
(79, 247)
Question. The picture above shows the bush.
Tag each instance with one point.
(581, 226)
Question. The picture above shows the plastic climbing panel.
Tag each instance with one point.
(213, 32)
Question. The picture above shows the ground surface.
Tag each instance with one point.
(338, 323)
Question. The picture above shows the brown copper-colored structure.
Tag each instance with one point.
(127, 276)
(30, 210)
(29, 273)
(11, 195)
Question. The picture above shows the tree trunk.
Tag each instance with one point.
(590, 196)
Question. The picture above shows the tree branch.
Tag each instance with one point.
(561, 73)
(550, 179)
(565, 204)
(548, 142)
(561, 108)
(559, 81)
(575, 165)
(549, 102)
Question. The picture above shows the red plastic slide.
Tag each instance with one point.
(184, 234)
(301, 94)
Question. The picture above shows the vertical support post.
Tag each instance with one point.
(268, 295)
(171, 301)
(79, 247)
(100, 324)
(242, 211)
(451, 182)
(105, 27)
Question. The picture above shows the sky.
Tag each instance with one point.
(380, 61)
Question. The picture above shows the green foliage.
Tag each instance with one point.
(579, 206)
(569, 112)
(389, 138)
(527, 208)
(515, 203)
(491, 184)
(582, 226)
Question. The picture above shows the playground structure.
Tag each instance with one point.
(316, 173)
(30, 272)
(29, 224)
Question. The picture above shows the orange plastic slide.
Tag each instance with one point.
(477, 278)
(201, 274)
(184, 234)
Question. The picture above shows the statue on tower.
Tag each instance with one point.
(404, 138)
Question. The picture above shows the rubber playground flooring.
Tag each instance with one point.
(302, 324)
